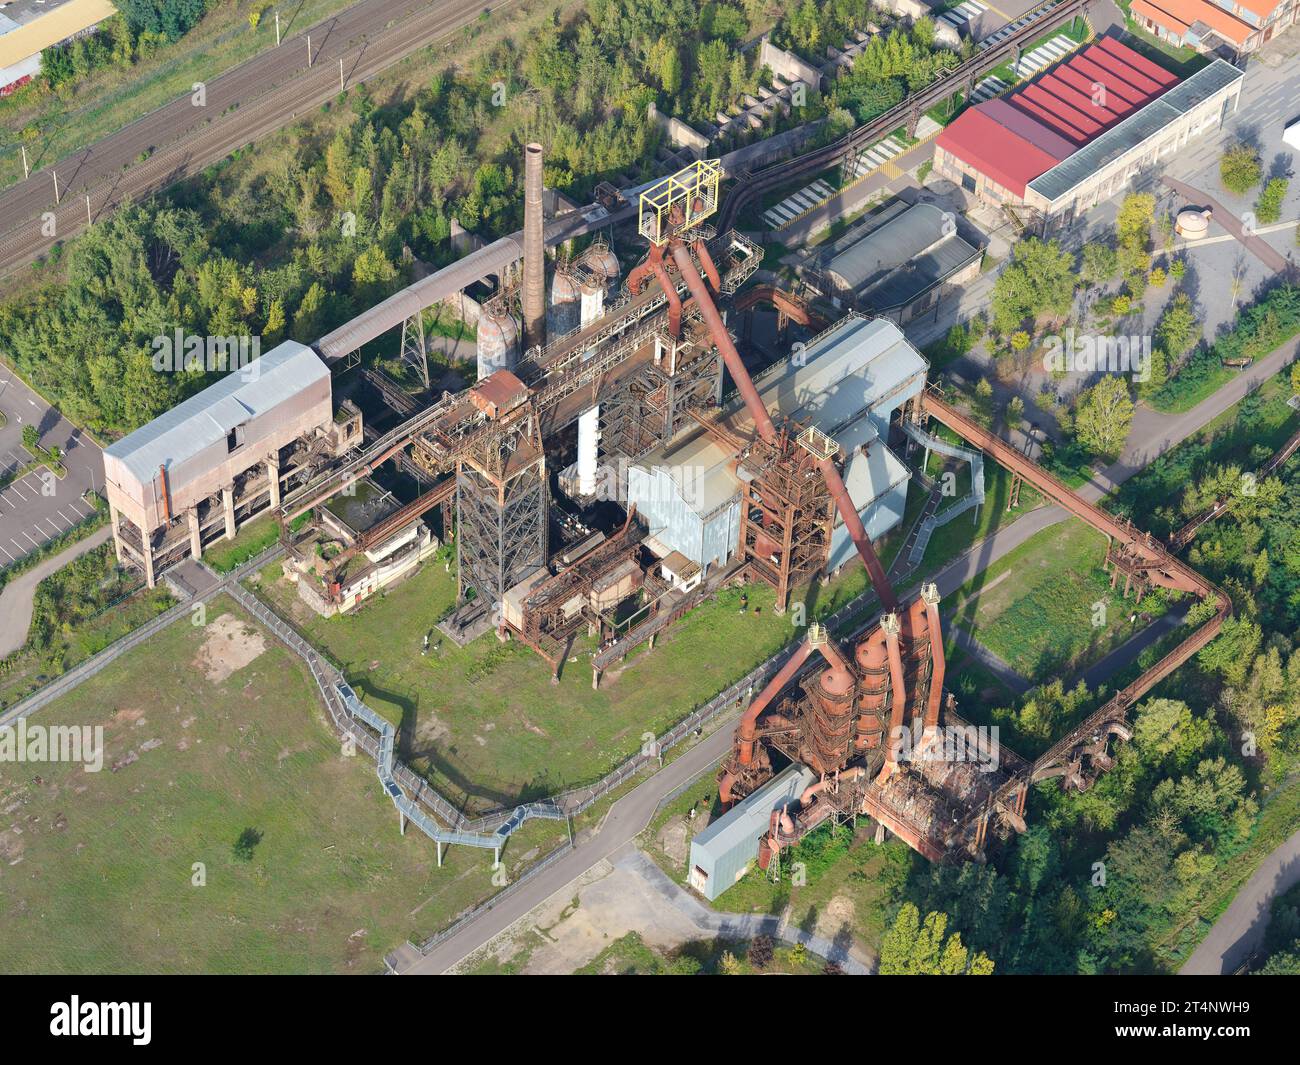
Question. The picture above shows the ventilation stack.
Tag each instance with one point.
(534, 302)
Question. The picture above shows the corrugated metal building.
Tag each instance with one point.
(215, 459)
(897, 261)
(847, 382)
(722, 853)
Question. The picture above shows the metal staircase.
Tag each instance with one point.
(413, 812)
(941, 517)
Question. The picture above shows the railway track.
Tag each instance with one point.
(242, 106)
(907, 113)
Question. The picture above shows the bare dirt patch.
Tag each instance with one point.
(836, 917)
(229, 645)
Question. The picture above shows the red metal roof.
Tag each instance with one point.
(1166, 79)
(980, 142)
(1115, 86)
(1060, 104)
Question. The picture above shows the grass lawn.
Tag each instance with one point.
(210, 731)
(249, 542)
(976, 688)
(949, 541)
(485, 722)
(1186, 400)
(1033, 608)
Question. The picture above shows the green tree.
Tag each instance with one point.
(1268, 208)
(1239, 168)
(1039, 280)
(1167, 729)
(1178, 328)
(309, 322)
(915, 948)
(1100, 264)
(1104, 416)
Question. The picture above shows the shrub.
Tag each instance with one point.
(1239, 168)
(1268, 208)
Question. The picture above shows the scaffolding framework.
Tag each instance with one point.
(654, 405)
(502, 506)
(786, 516)
(415, 349)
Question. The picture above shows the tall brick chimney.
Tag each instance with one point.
(534, 297)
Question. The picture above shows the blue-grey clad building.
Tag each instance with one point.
(848, 382)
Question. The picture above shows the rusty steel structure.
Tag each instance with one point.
(648, 362)
(896, 764)
(553, 611)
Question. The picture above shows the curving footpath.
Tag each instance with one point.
(19, 594)
(1239, 932)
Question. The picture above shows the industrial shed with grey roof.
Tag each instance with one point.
(897, 261)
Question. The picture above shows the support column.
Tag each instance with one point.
(588, 451)
(147, 558)
(273, 475)
(117, 538)
(196, 541)
(228, 505)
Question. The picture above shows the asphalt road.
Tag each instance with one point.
(626, 819)
(20, 593)
(40, 507)
(1239, 933)
(242, 105)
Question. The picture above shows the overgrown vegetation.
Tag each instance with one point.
(77, 612)
(1258, 330)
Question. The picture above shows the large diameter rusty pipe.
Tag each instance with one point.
(858, 533)
(890, 624)
(706, 261)
(670, 294)
(718, 330)
(749, 720)
(534, 296)
(930, 596)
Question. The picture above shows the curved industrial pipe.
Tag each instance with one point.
(891, 626)
(706, 260)
(930, 596)
(749, 719)
(726, 346)
(857, 531)
(767, 429)
(725, 785)
(670, 294)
